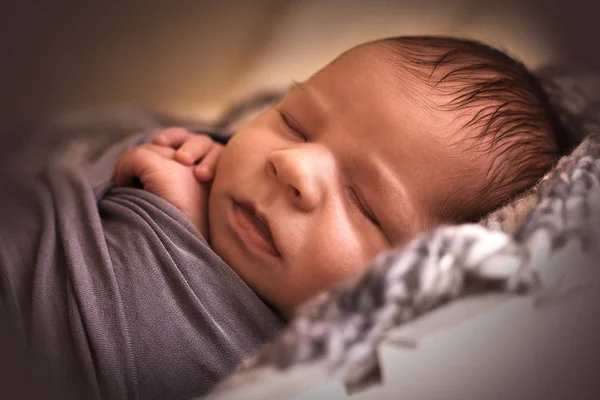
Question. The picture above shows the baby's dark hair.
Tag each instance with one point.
(507, 115)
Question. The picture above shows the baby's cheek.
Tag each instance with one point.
(339, 256)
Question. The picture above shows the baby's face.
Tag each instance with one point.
(348, 164)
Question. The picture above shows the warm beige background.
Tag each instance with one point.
(192, 58)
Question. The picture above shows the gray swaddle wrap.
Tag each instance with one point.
(115, 294)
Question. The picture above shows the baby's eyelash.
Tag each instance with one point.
(362, 208)
(291, 126)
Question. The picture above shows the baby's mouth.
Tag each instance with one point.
(252, 220)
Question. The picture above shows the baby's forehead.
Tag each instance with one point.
(375, 93)
(462, 104)
(476, 106)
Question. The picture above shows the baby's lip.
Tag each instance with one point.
(261, 222)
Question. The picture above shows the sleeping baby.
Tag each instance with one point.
(157, 286)
(392, 138)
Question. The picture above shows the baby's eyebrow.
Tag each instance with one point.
(299, 86)
(400, 211)
(307, 90)
(310, 99)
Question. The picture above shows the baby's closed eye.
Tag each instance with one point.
(363, 208)
(292, 126)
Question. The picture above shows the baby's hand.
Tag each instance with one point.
(155, 168)
(192, 149)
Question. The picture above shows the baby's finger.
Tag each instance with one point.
(172, 137)
(205, 171)
(134, 164)
(194, 149)
(131, 166)
(166, 152)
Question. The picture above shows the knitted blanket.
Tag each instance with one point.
(338, 333)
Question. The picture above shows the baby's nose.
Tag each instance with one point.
(301, 174)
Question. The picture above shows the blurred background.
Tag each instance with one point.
(192, 59)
